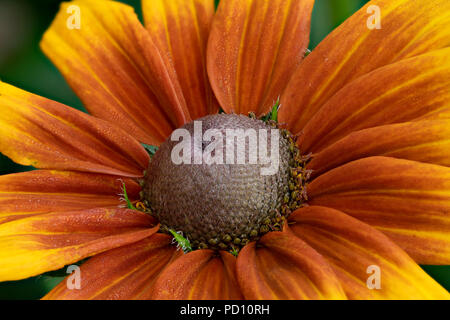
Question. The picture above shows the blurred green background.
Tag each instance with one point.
(22, 23)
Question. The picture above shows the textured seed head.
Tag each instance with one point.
(218, 205)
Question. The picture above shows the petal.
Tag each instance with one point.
(253, 49)
(199, 275)
(353, 248)
(46, 134)
(281, 266)
(408, 28)
(407, 200)
(34, 245)
(423, 141)
(114, 67)
(43, 191)
(180, 29)
(404, 91)
(123, 273)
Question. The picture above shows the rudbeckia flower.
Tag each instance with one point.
(365, 170)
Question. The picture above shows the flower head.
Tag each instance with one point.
(363, 181)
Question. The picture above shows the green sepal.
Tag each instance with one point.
(151, 150)
(273, 114)
(127, 200)
(183, 243)
(234, 251)
(307, 52)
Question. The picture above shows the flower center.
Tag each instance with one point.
(225, 180)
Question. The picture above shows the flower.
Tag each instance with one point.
(372, 106)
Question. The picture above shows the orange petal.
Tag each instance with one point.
(43, 191)
(356, 251)
(401, 92)
(46, 134)
(408, 28)
(253, 49)
(115, 68)
(281, 266)
(48, 242)
(180, 29)
(407, 200)
(200, 274)
(127, 272)
(424, 141)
